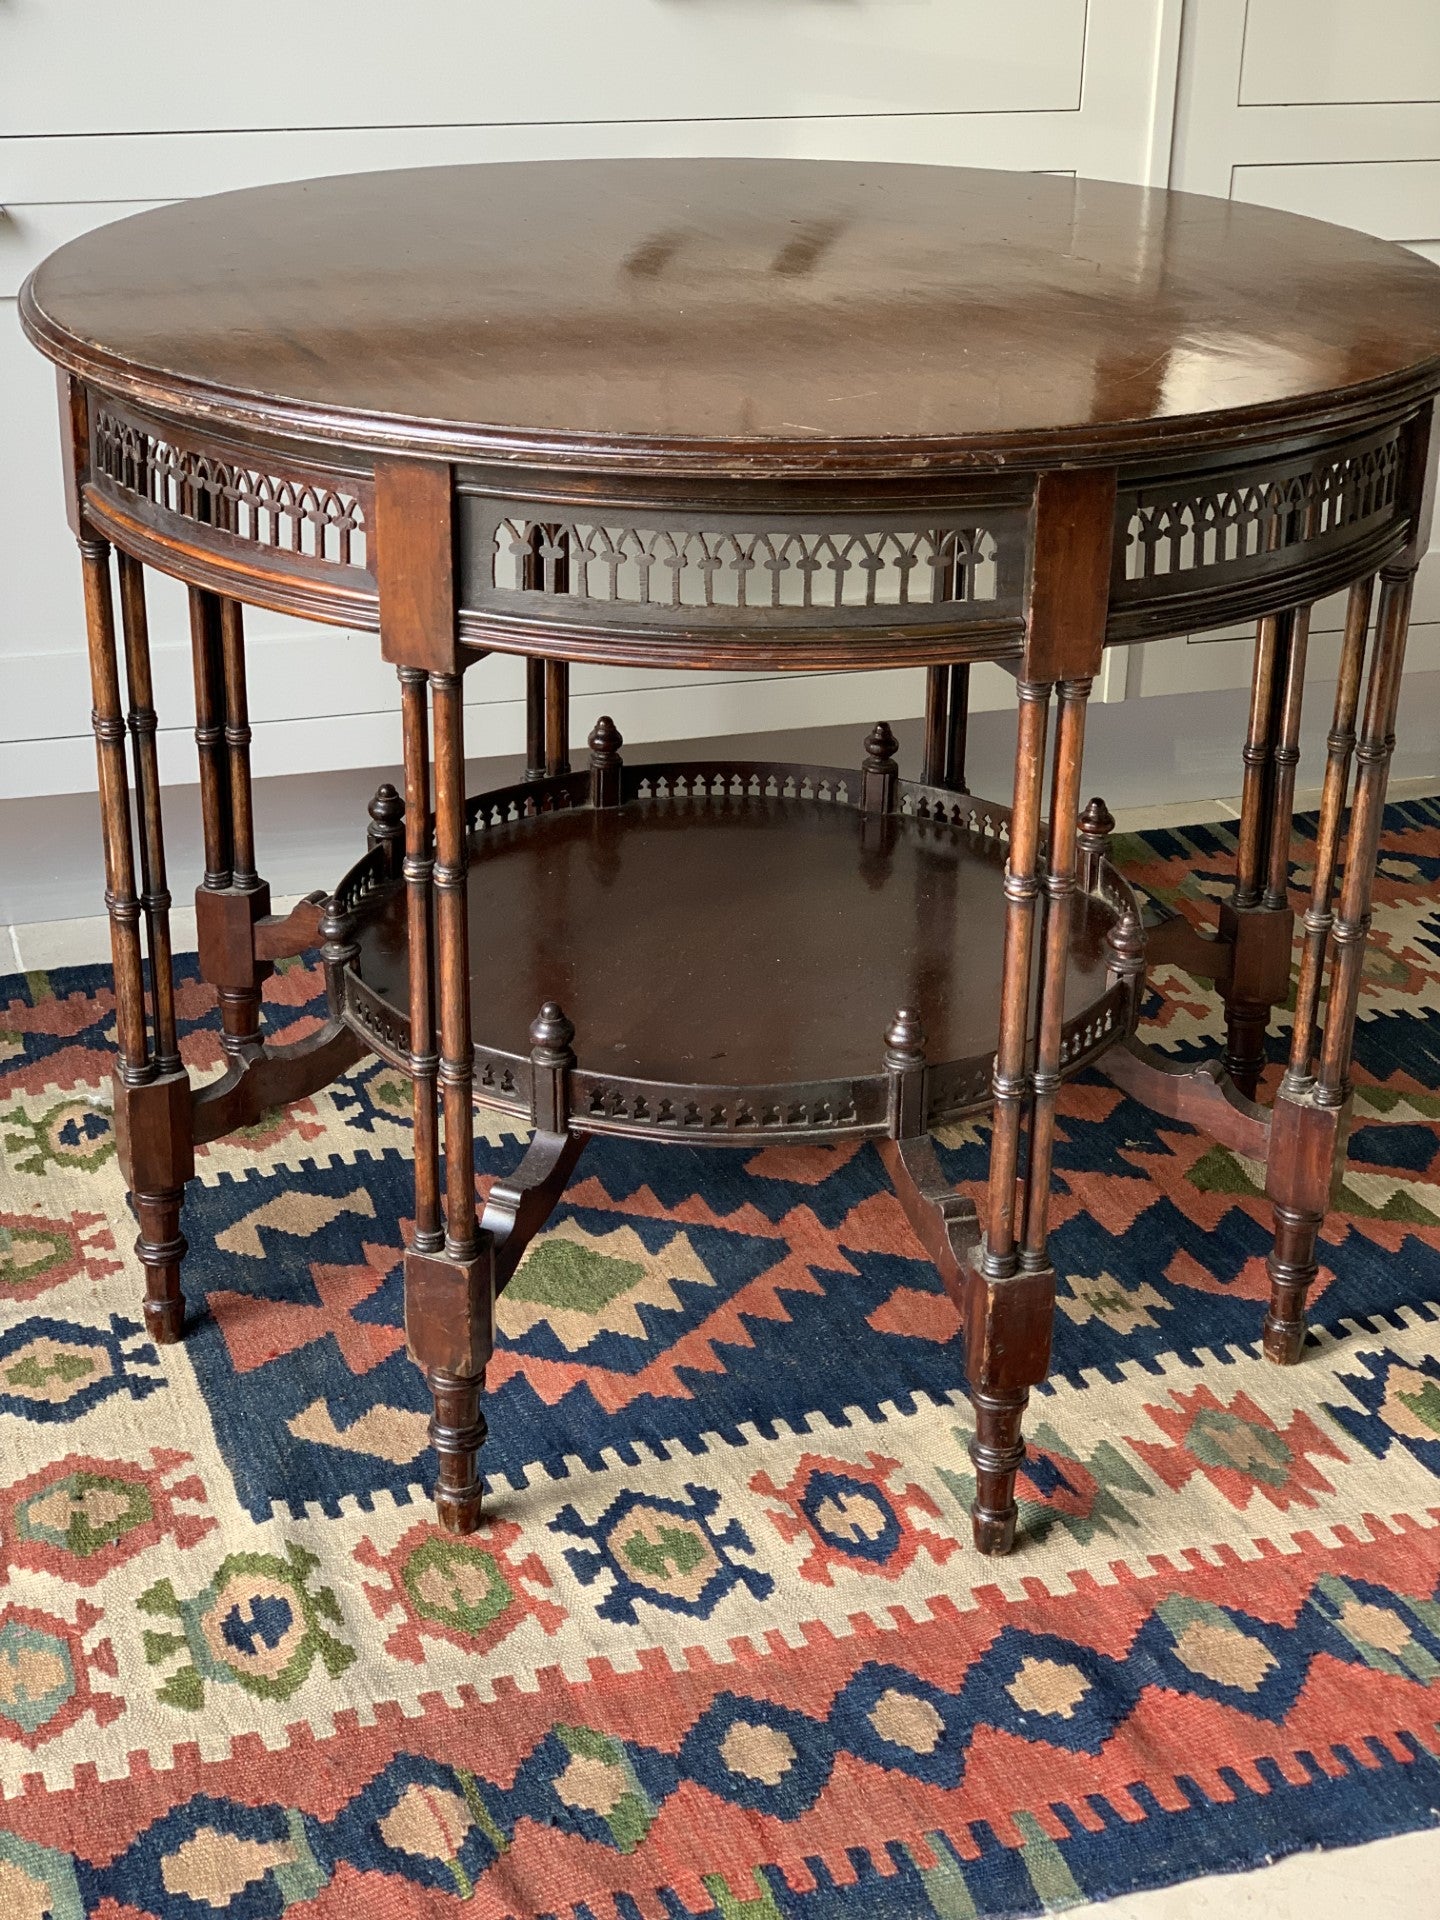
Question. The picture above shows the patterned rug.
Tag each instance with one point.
(722, 1647)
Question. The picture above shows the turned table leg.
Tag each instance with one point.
(947, 721)
(1311, 1112)
(152, 1091)
(1011, 1294)
(1256, 923)
(450, 1292)
(231, 897)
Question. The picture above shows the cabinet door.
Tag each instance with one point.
(153, 65)
(1340, 121)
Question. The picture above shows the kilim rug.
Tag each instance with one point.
(722, 1647)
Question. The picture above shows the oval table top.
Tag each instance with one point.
(756, 311)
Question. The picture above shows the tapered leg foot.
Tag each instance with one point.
(1244, 1056)
(161, 1247)
(1307, 1148)
(1293, 1267)
(997, 1452)
(457, 1432)
(1007, 1351)
(154, 1145)
(1284, 1338)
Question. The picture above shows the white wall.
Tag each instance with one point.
(1332, 109)
(92, 95)
(112, 108)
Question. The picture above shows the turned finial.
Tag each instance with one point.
(551, 1032)
(386, 833)
(1097, 822)
(387, 812)
(905, 1039)
(880, 747)
(605, 740)
(1092, 840)
(1126, 945)
(605, 766)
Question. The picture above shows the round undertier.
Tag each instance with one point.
(733, 941)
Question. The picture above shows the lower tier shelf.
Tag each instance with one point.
(731, 943)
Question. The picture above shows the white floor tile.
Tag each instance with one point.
(63, 943)
(1423, 789)
(1397, 1879)
(1181, 813)
(82, 943)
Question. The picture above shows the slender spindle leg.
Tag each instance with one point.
(155, 893)
(152, 1110)
(239, 984)
(428, 1236)
(1059, 885)
(1372, 760)
(534, 719)
(1258, 929)
(1308, 1133)
(1285, 759)
(1340, 746)
(957, 727)
(237, 746)
(453, 932)
(121, 899)
(232, 896)
(937, 696)
(947, 719)
(991, 1323)
(208, 659)
(450, 1293)
(557, 716)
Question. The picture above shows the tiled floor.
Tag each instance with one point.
(1396, 1879)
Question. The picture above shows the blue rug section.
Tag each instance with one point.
(800, 1352)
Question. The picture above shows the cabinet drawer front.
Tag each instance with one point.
(163, 65)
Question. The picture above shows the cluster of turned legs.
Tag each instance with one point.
(1003, 1280)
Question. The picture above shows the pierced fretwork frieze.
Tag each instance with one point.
(623, 567)
(622, 1105)
(1086, 1035)
(386, 1030)
(747, 780)
(1185, 535)
(527, 800)
(665, 567)
(939, 807)
(367, 876)
(287, 513)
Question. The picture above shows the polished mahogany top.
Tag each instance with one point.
(763, 309)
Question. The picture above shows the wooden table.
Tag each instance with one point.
(766, 416)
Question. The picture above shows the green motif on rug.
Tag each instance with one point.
(31, 1251)
(257, 1625)
(730, 1906)
(597, 1779)
(1383, 1628)
(1221, 1171)
(573, 1278)
(576, 1283)
(70, 1137)
(456, 1585)
(1057, 1486)
(84, 1512)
